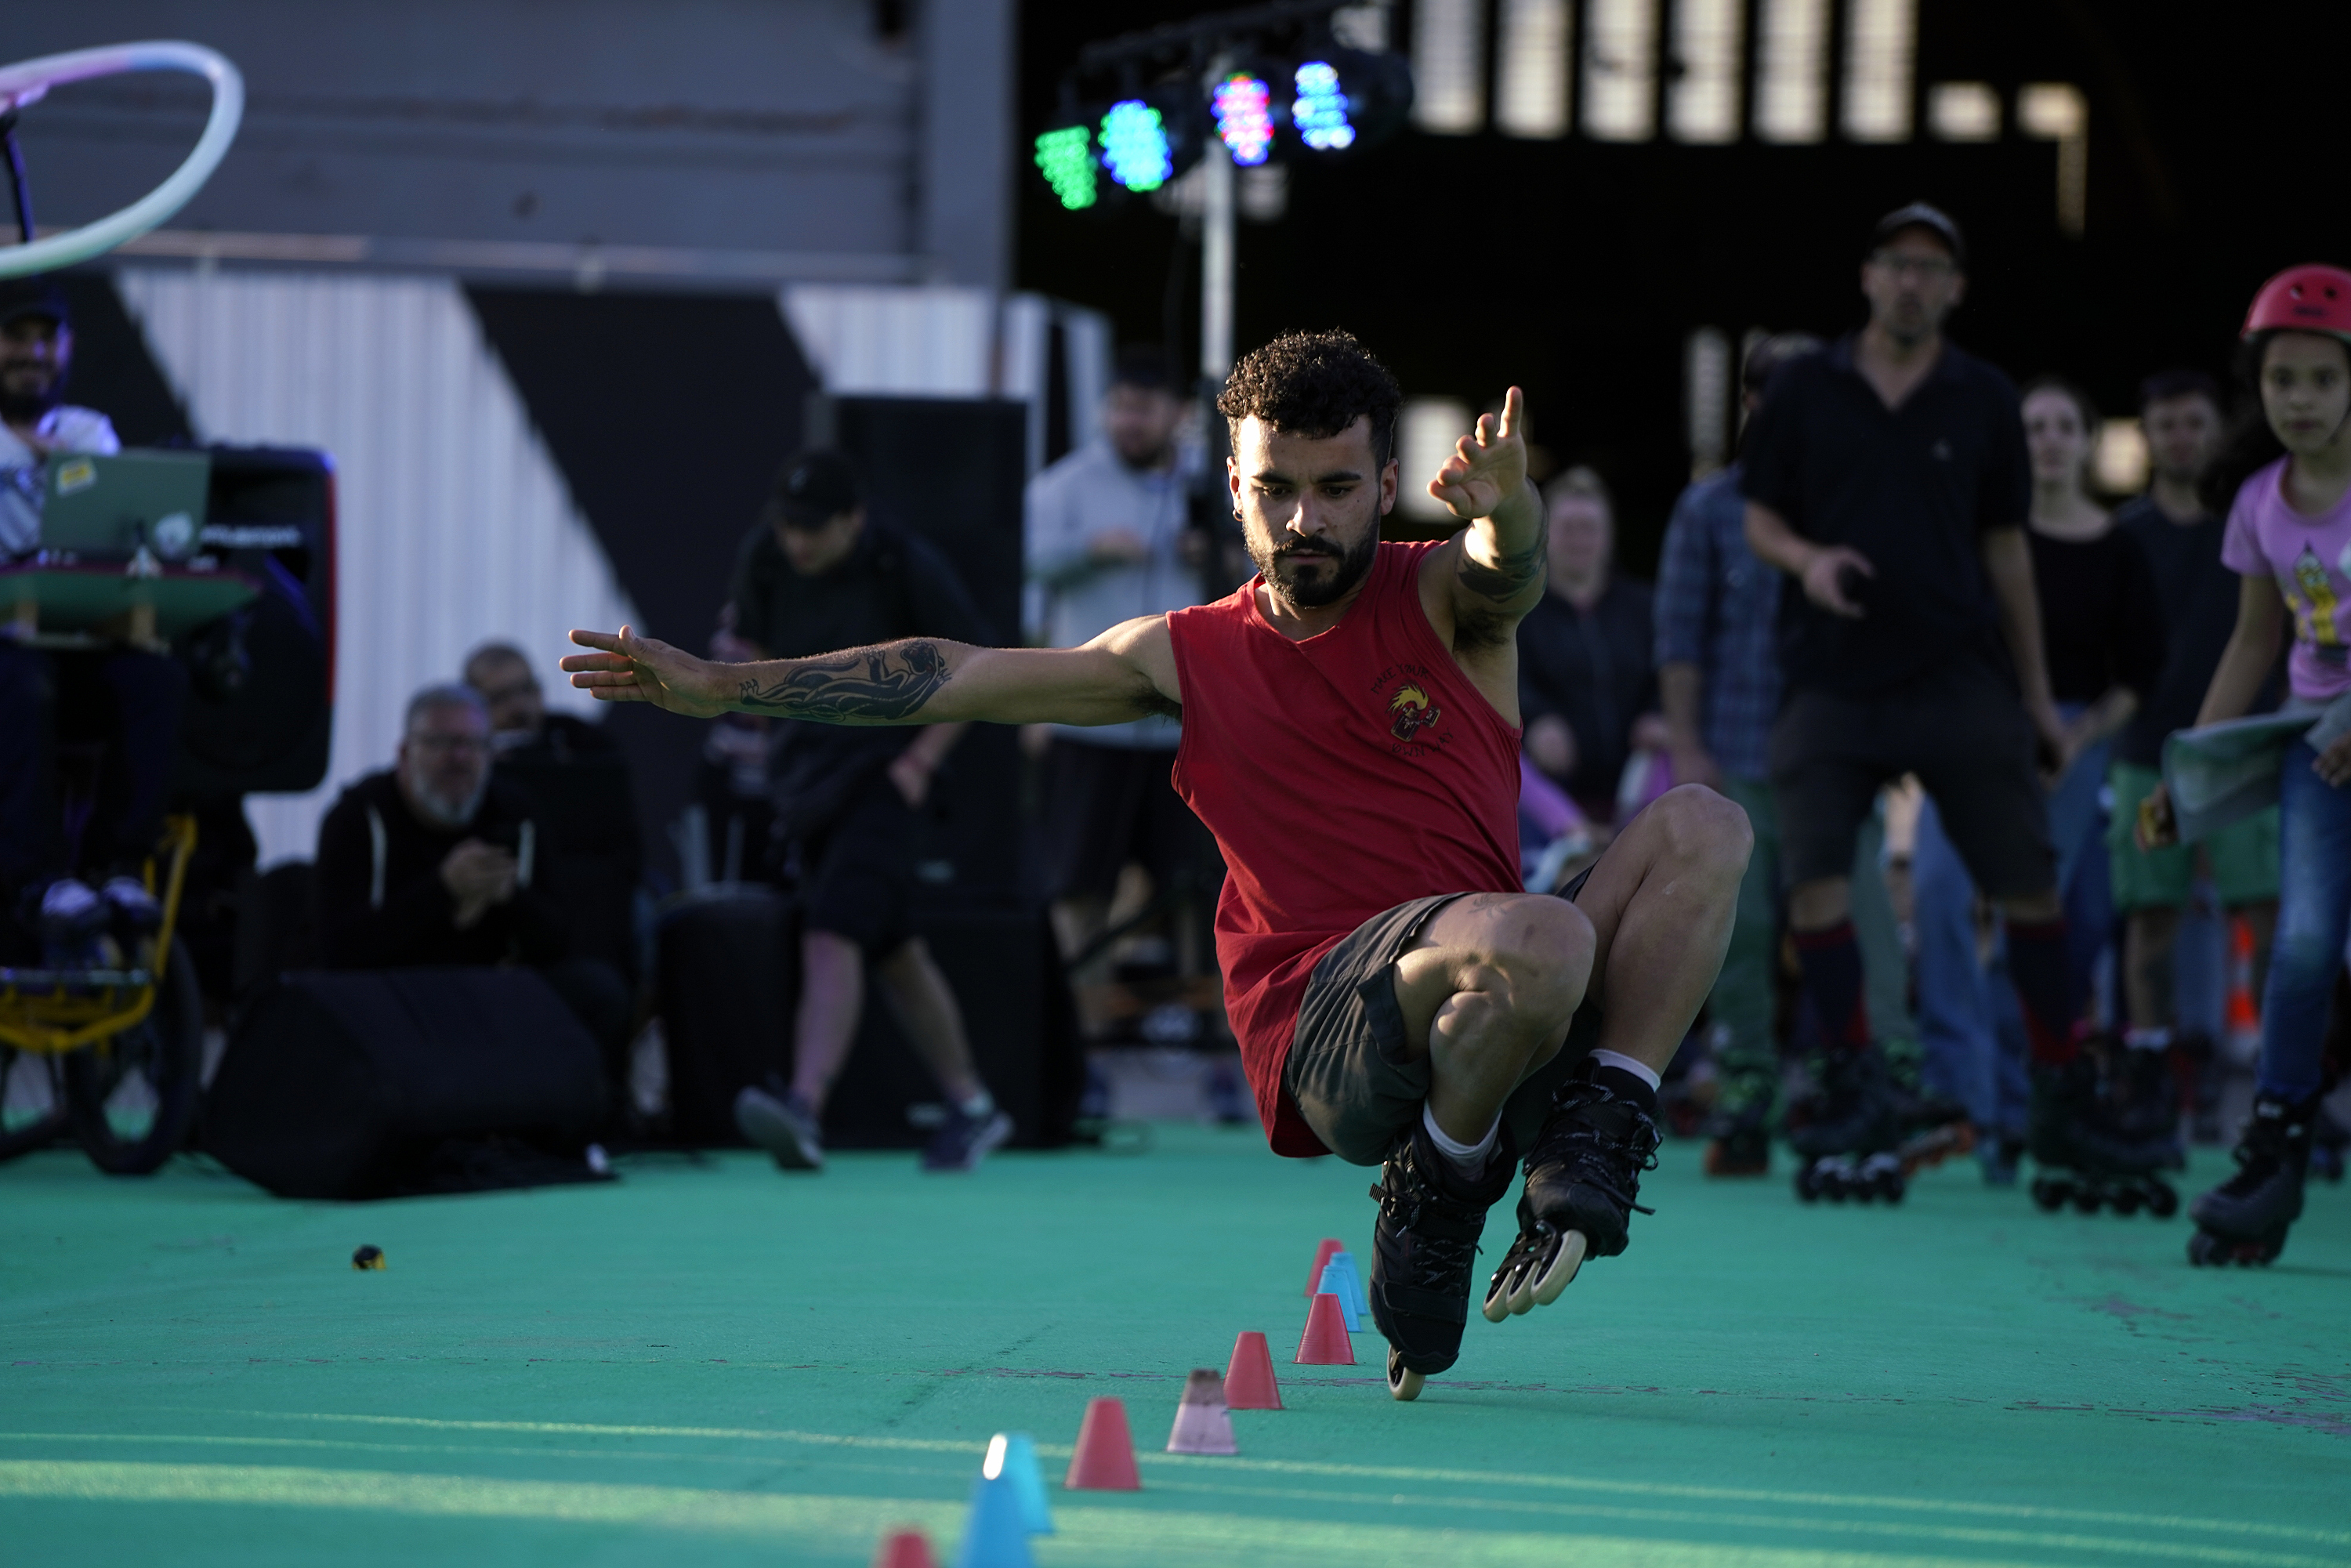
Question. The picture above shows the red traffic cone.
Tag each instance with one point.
(1204, 1422)
(1249, 1377)
(1326, 1341)
(1321, 1255)
(904, 1549)
(1104, 1460)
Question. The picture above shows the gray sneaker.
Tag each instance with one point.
(784, 1127)
(962, 1142)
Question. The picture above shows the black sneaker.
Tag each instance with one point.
(1424, 1250)
(962, 1141)
(784, 1125)
(1584, 1181)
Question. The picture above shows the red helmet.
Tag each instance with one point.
(2310, 298)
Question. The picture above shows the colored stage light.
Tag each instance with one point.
(1135, 146)
(1320, 111)
(1244, 109)
(1065, 157)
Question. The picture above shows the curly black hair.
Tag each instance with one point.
(1314, 385)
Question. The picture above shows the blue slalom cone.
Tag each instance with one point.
(1339, 1278)
(1013, 1456)
(994, 1536)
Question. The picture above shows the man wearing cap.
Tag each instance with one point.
(126, 700)
(1888, 477)
(815, 575)
(1719, 680)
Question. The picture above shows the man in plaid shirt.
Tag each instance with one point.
(1719, 680)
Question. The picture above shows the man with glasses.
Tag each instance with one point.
(434, 864)
(1888, 477)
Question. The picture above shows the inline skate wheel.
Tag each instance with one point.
(2049, 1194)
(2088, 1197)
(1808, 1185)
(2162, 1200)
(2126, 1200)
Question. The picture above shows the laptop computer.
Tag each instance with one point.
(104, 508)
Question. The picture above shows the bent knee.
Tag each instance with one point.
(1545, 944)
(1701, 825)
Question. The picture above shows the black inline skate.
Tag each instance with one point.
(1424, 1250)
(1584, 1182)
(2091, 1154)
(2328, 1140)
(2245, 1219)
(1863, 1133)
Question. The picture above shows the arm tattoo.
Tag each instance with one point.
(1508, 578)
(864, 685)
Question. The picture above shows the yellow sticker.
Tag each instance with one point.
(80, 473)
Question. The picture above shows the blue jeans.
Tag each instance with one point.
(2313, 920)
(1970, 1027)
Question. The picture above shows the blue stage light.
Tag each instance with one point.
(1320, 111)
(1135, 146)
(1244, 109)
(1065, 157)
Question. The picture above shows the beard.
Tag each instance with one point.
(449, 810)
(22, 407)
(1345, 569)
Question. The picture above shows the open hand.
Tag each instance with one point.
(1488, 465)
(627, 668)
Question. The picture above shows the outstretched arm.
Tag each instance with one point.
(1494, 569)
(1127, 673)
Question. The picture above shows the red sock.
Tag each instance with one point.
(2038, 967)
(1831, 963)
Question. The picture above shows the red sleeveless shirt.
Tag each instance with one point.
(1342, 776)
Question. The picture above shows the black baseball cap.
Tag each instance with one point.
(34, 296)
(1921, 216)
(815, 487)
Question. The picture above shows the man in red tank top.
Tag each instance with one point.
(1351, 736)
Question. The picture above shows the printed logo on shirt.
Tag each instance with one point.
(1411, 710)
(2317, 614)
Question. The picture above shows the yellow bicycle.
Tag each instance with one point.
(120, 1047)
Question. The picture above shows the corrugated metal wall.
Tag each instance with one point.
(455, 524)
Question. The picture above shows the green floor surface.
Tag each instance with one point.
(715, 1363)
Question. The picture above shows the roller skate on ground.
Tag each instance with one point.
(2244, 1219)
(1863, 1133)
(2089, 1157)
(1739, 1142)
(1584, 1182)
(1424, 1250)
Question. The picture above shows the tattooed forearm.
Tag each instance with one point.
(866, 685)
(1508, 578)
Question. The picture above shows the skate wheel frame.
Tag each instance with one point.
(1535, 1271)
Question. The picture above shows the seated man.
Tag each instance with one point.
(1350, 738)
(100, 725)
(577, 778)
(435, 863)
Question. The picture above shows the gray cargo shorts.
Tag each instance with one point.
(1348, 1069)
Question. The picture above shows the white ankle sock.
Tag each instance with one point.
(1617, 1059)
(1469, 1159)
(979, 1106)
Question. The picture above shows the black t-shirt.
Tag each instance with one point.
(1595, 669)
(2100, 624)
(890, 586)
(2197, 596)
(1913, 488)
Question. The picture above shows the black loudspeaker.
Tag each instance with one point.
(729, 967)
(1006, 972)
(351, 1085)
(952, 471)
(261, 694)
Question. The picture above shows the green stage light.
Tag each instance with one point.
(1135, 146)
(1066, 159)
